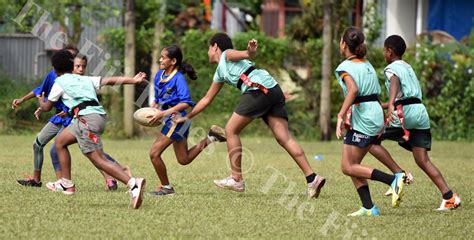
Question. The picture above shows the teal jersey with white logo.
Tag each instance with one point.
(229, 72)
(367, 117)
(79, 89)
(415, 115)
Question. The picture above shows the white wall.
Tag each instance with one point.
(401, 19)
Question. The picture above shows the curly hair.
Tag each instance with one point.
(396, 43)
(63, 61)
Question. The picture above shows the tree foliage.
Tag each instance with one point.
(72, 15)
(445, 74)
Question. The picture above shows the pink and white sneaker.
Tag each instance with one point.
(229, 183)
(58, 187)
(136, 193)
(111, 184)
(314, 187)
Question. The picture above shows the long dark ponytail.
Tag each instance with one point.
(175, 52)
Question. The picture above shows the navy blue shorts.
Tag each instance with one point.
(176, 131)
(359, 139)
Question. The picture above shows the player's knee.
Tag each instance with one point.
(296, 151)
(183, 161)
(229, 131)
(154, 154)
(421, 161)
(37, 146)
(59, 145)
(282, 140)
(346, 169)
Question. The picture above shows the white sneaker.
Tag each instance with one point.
(58, 187)
(314, 187)
(136, 193)
(229, 183)
(449, 204)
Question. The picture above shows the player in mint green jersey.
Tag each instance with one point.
(409, 120)
(363, 116)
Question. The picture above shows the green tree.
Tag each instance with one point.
(72, 15)
(325, 109)
(316, 35)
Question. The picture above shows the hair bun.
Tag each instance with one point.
(353, 36)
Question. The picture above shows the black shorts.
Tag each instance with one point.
(359, 139)
(418, 137)
(256, 104)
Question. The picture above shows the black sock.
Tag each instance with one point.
(382, 177)
(448, 195)
(311, 177)
(364, 194)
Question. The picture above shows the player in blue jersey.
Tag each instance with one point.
(79, 94)
(172, 98)
(55, 125)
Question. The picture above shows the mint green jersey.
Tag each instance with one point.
(415, 115)
(229, 72)
(367, 117)
(76, 89)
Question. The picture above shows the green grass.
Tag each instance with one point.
(268, 209)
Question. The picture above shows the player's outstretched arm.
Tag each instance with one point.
(236, 55)
(203, 103)
(123, 80)
(160, 114)
(18, 101)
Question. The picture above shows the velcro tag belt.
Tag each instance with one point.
(399, 106)
(76, 109)
(367, 98)
(244, 79)
(357, 100)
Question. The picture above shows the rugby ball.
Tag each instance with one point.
(143, 115)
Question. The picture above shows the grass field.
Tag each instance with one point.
(273, 206)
